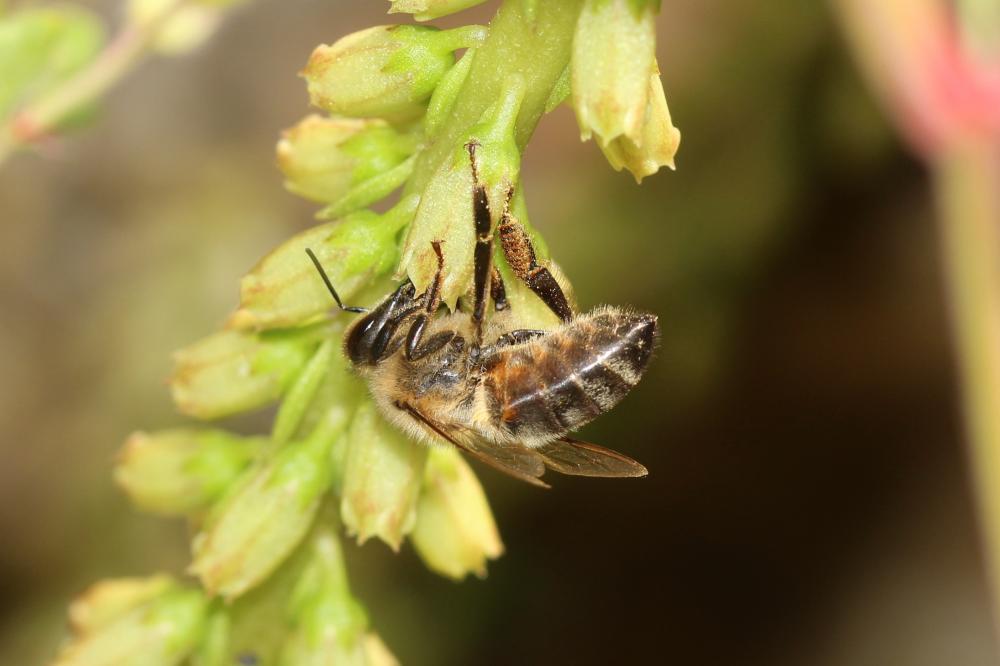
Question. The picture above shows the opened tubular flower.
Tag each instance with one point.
(455, 533)
(616, 87)
(657, 141)
(383, 473)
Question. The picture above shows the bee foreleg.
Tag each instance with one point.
(433, 344)
(416, 348)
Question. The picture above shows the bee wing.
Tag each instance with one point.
(571, 456)
(515, 460)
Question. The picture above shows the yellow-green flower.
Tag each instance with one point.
(656, 144)
(388, 71)
(283, 289)
(347, 162)
(262, 520)
(234, 371)
(455, 532)
(616, 87)
(177, 472)
(382, 478)
(158, 631)
(328, 624)
(614, 51)
(107, 600)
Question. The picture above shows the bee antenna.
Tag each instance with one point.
(329, 285)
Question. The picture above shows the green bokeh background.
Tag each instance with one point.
(807, 500)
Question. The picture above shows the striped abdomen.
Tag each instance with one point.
(548, 387)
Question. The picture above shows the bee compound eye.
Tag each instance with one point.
(359, 340)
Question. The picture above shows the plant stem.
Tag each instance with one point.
(528, 38)
(119, 57)
(967, 180)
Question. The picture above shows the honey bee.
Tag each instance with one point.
(507, 397)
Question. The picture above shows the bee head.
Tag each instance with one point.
(368, 337)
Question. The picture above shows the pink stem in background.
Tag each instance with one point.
(42, 118)
(944, 97)
(947, 94)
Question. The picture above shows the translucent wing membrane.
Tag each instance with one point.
(518, 461)
(576, 458)
(565, 455)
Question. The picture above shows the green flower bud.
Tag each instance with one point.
(657, 143)
(388, 71)
(613, 56)
(108, 600)
(346, 162)
(178, 472)
(425, 10)
(235, 371)
(382, 479)
(328, 624)
(455, 532)
(159, 632)
(284, 290)
(265, 516)
(445, 209)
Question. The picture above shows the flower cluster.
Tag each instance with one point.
(398, 108)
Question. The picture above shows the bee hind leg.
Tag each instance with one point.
(498, 291)
(520, 254)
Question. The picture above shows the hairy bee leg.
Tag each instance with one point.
(520, 254)
(430, 302)
(498, 292)
(483, 254)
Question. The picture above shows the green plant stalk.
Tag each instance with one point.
(526, 37)
(967, 183)
(117, 59)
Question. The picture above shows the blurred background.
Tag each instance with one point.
(808, 501)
